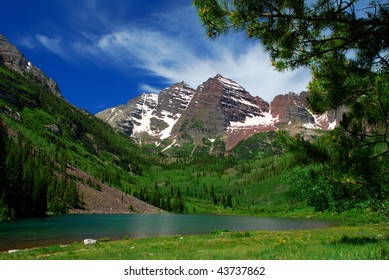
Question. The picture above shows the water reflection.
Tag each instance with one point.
(70, 228)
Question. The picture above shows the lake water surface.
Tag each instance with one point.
(62, 229)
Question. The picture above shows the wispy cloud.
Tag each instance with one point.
(148, 88)
(164, 56)
(170, 45)
(54, 45)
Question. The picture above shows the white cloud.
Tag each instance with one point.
(149, 89)
(173, 59)
(171, 46)
(52, 44)
(27, 42)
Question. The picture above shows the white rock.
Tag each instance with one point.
(89, 241)
(13, 251)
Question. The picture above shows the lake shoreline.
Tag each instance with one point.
(68, 228)
(334, 243)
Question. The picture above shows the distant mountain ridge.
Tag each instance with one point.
(12, 58)
(219, 108)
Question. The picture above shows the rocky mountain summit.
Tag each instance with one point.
(12, 58)
(218, 109)
(150, 114)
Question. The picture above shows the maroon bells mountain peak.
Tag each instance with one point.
(218, 108)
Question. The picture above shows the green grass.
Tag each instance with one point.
(368, 242)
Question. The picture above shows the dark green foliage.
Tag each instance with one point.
(337, 176)
(265, 144)
(51, 135)
(169, 199)
(33, 185)
(296, 32)
(346, 45)
(27, 173)
(80, 132)
(306, 186)
(219, 185)
(3, 156)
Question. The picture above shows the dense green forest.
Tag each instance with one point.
(31, 182)
(223, 185)
(41, 134)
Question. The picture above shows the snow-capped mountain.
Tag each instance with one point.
(150, 114)
(218, 108)
(222, 108)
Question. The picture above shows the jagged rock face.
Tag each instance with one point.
(152, 114)
(329, 120)
(262, 104)
(292, 112)
(130, 118)
(219, 108)
(172, 102)
(291, 108)
(12, 58)
(204, 116)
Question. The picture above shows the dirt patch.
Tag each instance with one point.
(106, 200)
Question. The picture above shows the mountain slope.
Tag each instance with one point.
(67, 137)
(218, 109)
(13, 59)
(150, 114)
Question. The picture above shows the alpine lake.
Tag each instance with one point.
(66, 229)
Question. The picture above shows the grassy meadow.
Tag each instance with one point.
(366, 242)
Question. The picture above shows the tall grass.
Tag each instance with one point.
(339, 243)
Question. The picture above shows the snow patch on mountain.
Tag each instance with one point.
(244, 101)
(266, 119)
(322, 122)
(219, 107)
(170, 120)
(171, 145)
(229, 83)
(143, 113)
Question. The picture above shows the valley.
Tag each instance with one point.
(196, 173)
(212, 150)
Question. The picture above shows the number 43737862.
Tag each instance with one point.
(241, 270)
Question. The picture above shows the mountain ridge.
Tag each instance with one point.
(12, 58)
(219, 108)
(56, 157)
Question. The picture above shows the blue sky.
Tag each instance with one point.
(103, 53)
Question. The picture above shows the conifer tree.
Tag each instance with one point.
(3, 156)
(5, 212)
(14, 172)
(229, 201)
(346, 44)
(168, 206)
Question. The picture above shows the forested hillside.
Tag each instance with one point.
(42, 134)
